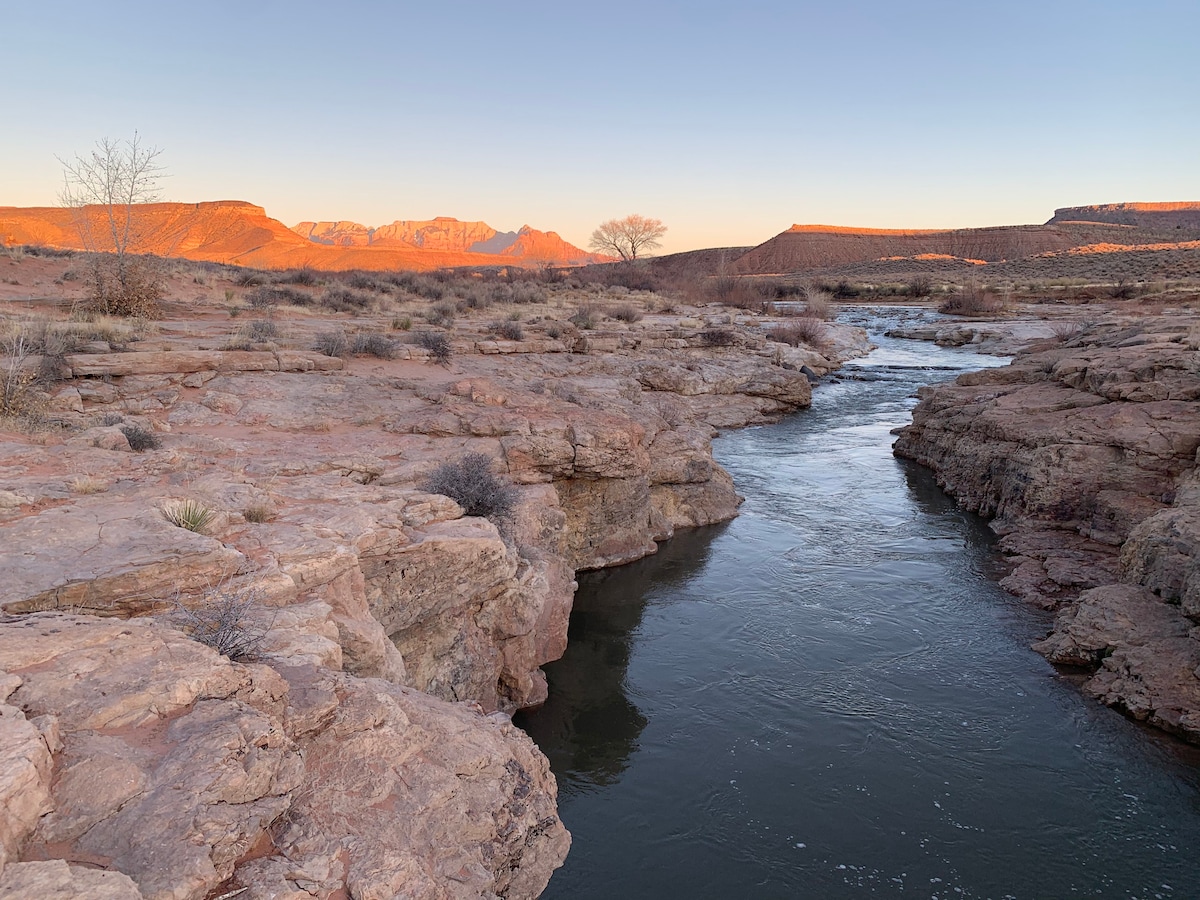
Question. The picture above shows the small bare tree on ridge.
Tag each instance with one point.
(629, 237)
(104, 188)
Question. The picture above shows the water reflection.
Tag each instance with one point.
(589, 727)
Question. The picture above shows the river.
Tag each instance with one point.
(831, 697)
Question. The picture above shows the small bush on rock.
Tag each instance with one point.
(332, 343)
(140, 438)
(231, 621)
(471, 483)
(437, 344)
(369, 343)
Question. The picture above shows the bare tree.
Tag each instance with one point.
(629, 237)
(104, 188)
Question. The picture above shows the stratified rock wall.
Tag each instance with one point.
(1085, 455)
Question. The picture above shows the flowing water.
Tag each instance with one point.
(830, 697)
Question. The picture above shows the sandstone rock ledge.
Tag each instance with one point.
(367, 752)
(1085, 452)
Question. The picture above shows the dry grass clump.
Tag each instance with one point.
(189, 514)
(586, 316)
(972, 299)
(304, 277)
(258, 513)
(509, 331)
(818, 304)
(343, 299)
(371, 343)
(804, 330)
(269, 297)
(1066, 329)
(88, 484)
(332, 343)
(625, 312)
(740, 293)
(140, 438)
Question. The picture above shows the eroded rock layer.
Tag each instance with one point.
(365, 750)
(1084, 453)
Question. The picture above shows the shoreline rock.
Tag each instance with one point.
(1084, 454)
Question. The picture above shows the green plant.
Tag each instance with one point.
(232, 621)
(140, 439)
(190, 514)
(471, 483)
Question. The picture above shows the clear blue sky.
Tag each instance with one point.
(727, 121)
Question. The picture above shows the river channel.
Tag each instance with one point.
(831, 697)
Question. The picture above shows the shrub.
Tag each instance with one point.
(442, 314)
(920, 286)
(365, 282)
(1065, 329)
(124, 288)
(740, 293)
(972, 299)
(263, 330)
(586, 316)
(817, 305)
(718, 337)
(437, 344)
(626, 312)
(249, 278)
(332, 343)
(471, 483)
(232, 621)
(510, 331)
(805, 330)
(190, 514)
(268, 297)
(305, 277)
(140, 439)
(370, 343)
(18, 383)
(344, 299)
(402, 323)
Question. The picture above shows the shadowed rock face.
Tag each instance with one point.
(1085, 455)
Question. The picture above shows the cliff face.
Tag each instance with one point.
(1085, 454)
(241, 233)
(448, 235)
(1144, 215)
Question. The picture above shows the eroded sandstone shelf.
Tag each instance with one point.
(368, 749)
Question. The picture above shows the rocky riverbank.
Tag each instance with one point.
(365, 749)
(1083, 452)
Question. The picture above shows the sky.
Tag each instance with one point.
(727, 121)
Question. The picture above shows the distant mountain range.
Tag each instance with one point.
(232, 231)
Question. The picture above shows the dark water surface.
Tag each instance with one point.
(830, 697)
